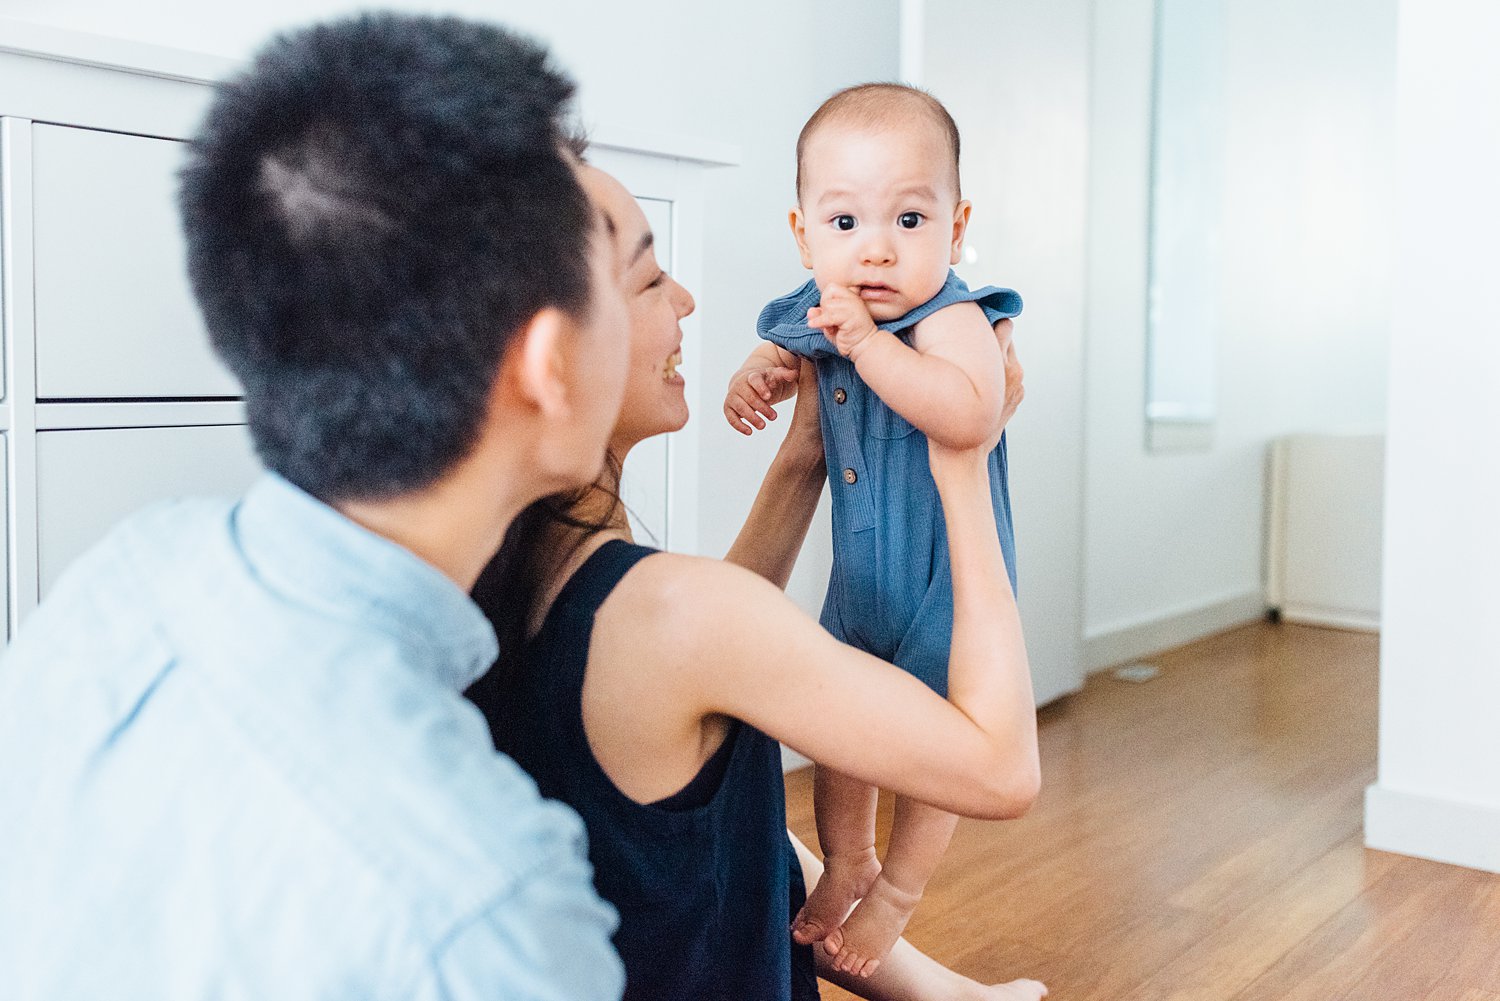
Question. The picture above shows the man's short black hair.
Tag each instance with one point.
(372, 210)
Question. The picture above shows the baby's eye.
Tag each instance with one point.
(909, 220)
(844, 223)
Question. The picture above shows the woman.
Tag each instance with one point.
(648, 690)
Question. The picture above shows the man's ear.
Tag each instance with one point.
(960, 227)
(799, 232)
(536, 364)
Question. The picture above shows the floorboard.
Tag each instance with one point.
(1199, 838)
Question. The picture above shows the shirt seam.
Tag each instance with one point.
(436, 947)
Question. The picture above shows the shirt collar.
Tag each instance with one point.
(313, 555)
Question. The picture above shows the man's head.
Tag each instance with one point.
(879, 206)
(377, 213)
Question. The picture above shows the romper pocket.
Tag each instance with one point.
(885, 423)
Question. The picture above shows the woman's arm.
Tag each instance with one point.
(776, 527)
(707, 639)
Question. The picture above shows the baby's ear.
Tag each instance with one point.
(960, 227)
(799, 232)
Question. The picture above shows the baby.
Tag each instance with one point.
(903, 349)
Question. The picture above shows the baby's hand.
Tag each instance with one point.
(844, 319)
(752, 392)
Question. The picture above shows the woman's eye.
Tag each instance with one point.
(661, 276)
(843, 223)
(909, 220)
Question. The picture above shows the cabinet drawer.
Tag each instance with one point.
(4, 536)
(88, 480)
(115, 318)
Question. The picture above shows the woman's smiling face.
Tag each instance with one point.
(655, 402)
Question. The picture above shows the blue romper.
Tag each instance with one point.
(891, 590)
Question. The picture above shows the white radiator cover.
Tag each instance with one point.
(1326, 513)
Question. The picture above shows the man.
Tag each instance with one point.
(234, 760)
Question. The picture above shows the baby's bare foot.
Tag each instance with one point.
(1016, 990)
(845, 879)
(870, 932)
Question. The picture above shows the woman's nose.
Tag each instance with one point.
(682, 300)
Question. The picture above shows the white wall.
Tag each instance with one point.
(1014, 74)
(675, 67)
(1438, 794)
(1173, 542)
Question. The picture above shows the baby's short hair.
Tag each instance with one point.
(872, 105)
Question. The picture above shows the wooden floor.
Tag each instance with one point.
(1198, 838)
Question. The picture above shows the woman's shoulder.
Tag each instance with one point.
(677, 580)
(687, 601)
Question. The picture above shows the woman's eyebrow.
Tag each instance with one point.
(643, 246)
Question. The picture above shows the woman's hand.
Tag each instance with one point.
(1015, 390)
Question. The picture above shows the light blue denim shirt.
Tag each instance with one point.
(235, 763)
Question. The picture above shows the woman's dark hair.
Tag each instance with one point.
(509, 586)
(372, 211)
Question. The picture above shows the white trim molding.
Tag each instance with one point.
(61, 45)
(1443, 830)
(791, 760)
(1118, 642)
(83, 49)
(1303, 614)
(700, 151)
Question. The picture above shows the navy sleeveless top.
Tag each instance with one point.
(706, 881)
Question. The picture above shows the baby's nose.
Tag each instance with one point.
(878, 251)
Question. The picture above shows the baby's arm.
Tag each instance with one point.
(951, 387)
(768, 377)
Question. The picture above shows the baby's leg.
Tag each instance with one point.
(919, 837)
(845, 811)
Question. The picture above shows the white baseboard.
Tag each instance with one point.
(1121, 641)
(1332, 618)
(1443, 830)
(791, 760)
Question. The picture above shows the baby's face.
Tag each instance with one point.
(879, 214)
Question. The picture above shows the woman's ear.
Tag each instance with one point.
(799, 232)
(536, 364)
(960, 227)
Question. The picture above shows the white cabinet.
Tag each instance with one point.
(88, 480)
(4, 555)
(660, 482)
(111, 397)
(115, 318)
(645, 485)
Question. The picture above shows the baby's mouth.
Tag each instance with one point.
(670, 372)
